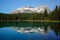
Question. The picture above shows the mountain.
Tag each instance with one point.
(30, 9)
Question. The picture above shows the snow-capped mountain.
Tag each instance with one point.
(30, 9)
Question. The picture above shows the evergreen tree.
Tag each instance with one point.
(45, 14)
(59, 12)
(55, 13)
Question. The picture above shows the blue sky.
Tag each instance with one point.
(6, 6)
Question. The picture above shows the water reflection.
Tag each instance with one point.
(56, 28)
(45, 30)
(28, 30)
(32, 27)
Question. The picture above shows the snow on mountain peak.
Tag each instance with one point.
(30, 9)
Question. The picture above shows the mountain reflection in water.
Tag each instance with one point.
(42, 28)
(31, 29)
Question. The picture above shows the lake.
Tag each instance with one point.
(23, 30)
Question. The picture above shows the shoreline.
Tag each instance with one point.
(33, 20)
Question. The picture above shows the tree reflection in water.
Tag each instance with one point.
(31, 27)
(56, 28)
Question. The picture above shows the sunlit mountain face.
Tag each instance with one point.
(28, 30)
(30, 9)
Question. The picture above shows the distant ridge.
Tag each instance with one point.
(30, 9)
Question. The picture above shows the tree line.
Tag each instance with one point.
(53, 15)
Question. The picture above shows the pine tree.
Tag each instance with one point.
(55, 13)
(59, 12)
(45, 14)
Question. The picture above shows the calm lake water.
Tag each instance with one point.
(16, 30)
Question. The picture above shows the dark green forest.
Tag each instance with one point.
(53, 15)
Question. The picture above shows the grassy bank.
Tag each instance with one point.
(34, 20)
(43, 20)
